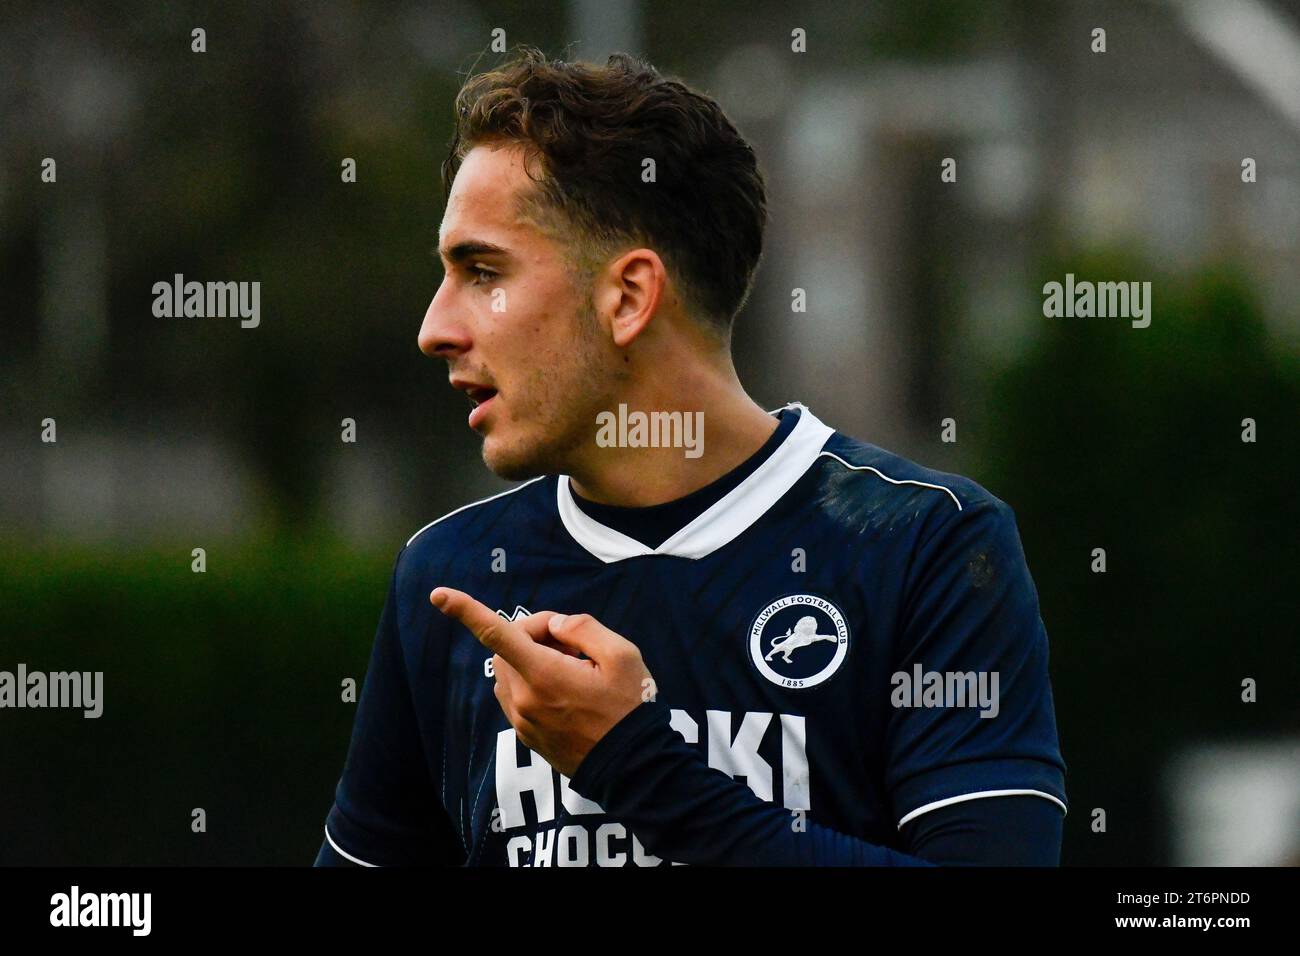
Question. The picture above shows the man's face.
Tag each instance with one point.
(516, 333)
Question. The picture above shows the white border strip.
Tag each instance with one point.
(893, 481)
(975, 796)
(344, 853)
(481, 501)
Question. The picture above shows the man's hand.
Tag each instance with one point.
(559, 704)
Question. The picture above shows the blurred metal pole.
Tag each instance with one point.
(74, 290)
(598, 28)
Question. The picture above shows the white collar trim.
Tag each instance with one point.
(726, 519)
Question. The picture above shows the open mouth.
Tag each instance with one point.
(480, 396)
(481, 399)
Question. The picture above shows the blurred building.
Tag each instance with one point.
(917, 290)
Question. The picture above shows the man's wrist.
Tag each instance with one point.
(640, 723)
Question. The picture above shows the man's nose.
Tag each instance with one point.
(443, 334)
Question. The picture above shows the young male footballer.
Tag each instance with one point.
(764, 643)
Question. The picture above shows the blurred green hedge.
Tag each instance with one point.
(222, 690)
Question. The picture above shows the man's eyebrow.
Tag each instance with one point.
(470, 249)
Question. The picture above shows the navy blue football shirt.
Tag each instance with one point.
(843, 643)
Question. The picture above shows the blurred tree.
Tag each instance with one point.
(1108, 436)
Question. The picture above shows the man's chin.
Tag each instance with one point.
(510, 464)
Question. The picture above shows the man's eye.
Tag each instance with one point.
(481, 276)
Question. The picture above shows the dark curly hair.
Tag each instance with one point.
(588, 129)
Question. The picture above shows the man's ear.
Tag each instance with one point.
(636, 284)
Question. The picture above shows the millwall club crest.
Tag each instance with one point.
(799, 641)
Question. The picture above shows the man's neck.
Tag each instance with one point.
(734, 427)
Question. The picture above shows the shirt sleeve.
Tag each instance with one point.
(644, 774)
(386, 808)
(997, 831)
(971, 712)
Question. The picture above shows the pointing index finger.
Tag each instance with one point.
(493, 631)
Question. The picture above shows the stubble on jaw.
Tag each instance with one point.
(564, 391)
(562, 409)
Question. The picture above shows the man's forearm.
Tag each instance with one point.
(646, 776)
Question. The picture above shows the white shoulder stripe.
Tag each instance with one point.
(894, 481)
(344, 853)
(472, 504)
(975, 796)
